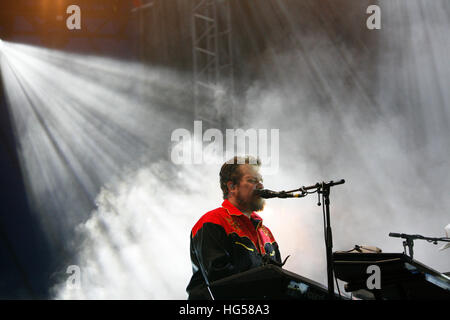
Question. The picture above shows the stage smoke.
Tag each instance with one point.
(95, 144)
(375, 116)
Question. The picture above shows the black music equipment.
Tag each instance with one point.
(266, 282)
(401, 277)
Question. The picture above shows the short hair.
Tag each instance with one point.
(230, 171)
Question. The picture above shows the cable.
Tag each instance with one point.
(337, 286)
(203, 271)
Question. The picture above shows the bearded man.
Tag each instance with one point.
(232, 238)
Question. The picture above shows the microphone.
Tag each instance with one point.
(267, 194)
(395, 235)
(405, 236)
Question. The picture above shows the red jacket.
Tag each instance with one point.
(227, 242)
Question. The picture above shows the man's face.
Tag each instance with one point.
(245, 196)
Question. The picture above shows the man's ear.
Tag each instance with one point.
(231, 186)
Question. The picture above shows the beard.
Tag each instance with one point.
(255, 204)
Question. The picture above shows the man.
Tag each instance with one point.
(232, 239)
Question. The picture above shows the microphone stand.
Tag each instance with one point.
(324, 188)
(409, 241)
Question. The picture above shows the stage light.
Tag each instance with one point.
(83, 123)
(2, 44)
